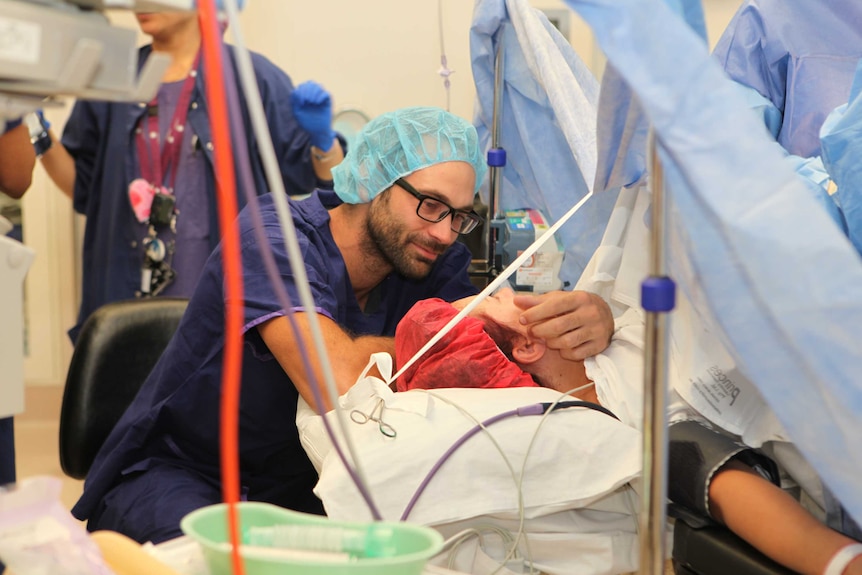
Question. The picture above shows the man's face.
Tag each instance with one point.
(409, 243)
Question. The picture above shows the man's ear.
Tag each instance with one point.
(528, 350)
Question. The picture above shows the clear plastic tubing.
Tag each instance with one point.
(372, 541)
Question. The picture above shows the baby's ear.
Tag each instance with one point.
(528, 350)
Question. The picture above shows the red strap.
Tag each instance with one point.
(156, 163)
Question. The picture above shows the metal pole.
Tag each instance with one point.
(496, 121)
(496, 162)
(657, 298)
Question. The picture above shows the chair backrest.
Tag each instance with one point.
(117, 348)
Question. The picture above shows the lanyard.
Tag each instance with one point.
(156, 163)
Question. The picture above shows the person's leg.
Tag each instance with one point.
(773, 522)
(7, 451)
(149, 506)
(7, 458)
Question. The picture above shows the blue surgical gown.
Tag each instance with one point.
(800, 55)
(171, 429)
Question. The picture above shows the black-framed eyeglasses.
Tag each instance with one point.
(434, 210)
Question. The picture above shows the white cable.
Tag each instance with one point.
(491, 287)
(276, 186)
(545, 415)
(461, 537)
(511, 553)
(456, 541)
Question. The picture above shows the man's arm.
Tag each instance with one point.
(347, 354)
(578, 323)
(17, 159)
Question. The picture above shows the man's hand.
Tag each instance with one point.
(577, 323)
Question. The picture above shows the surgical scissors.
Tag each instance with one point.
(376, 415)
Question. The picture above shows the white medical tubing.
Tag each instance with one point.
(513, 549)
(276, 186)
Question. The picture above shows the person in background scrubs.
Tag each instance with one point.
(800, 56)
(143, 172)
(797, 62)
(385, 239)
(17, 158)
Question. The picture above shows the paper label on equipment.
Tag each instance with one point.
(724, 396)
(536, 277)
(707, 377)
(19, 41)
(541, 271)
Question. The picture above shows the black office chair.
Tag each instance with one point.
(117, 348)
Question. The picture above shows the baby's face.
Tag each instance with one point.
(499, 307)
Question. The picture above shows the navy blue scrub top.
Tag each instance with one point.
(175, 417)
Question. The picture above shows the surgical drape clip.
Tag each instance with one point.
(376, 415)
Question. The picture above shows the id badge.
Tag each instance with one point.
(162, 210)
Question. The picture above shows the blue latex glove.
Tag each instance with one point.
(45, 123)
(312, 108)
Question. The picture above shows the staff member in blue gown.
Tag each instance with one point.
(796, 61)
(383, 241)
(142, 172)
(801, 56)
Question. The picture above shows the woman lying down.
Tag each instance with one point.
(710, 472)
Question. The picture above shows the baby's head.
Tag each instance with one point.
(477, 352)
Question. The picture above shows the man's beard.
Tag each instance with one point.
(384, 239)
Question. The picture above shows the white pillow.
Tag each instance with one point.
(579, 456)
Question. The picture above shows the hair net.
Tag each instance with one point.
(398, 143)
(464, 357)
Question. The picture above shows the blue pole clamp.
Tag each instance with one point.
(658, 294)
(496, 157)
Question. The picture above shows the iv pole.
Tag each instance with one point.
(658, 294)
(496, 159)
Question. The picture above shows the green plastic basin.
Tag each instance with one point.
(413, 545)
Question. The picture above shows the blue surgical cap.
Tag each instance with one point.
(398, 143)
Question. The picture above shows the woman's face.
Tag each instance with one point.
(500, 307)
(163, 24)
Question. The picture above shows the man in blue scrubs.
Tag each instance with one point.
(387, 240)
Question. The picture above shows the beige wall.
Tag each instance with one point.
(383, 54)
(379, 55)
